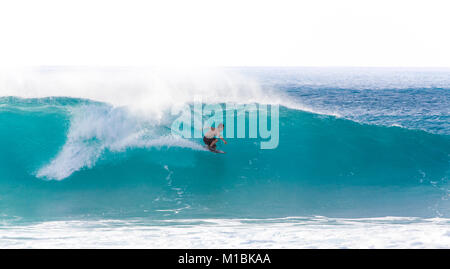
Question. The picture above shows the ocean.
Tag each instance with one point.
(88, 159)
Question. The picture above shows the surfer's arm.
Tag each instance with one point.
(223, 139)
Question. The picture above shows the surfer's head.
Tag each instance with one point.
(220, 126)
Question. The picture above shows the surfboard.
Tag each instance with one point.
(214, 150)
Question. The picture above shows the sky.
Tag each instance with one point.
(225, 33)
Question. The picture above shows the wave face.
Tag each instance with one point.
(75, 158)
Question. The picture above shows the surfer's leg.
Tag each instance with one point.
(207, 141)
(213, 144)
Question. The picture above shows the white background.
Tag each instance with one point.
(225, 33)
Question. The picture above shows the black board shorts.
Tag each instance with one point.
(208, 141)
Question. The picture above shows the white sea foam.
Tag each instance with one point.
(149, 90)
(143, 88)
(314, 232)
(96, 128)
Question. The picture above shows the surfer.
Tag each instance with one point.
(210, 139)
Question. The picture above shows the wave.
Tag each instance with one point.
(111, 160)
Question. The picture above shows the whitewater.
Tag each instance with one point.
(88, 159)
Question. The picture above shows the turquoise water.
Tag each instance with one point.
(323, 166)
(360, 147)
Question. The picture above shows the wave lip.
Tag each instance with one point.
(411, 97)
(149, 89)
